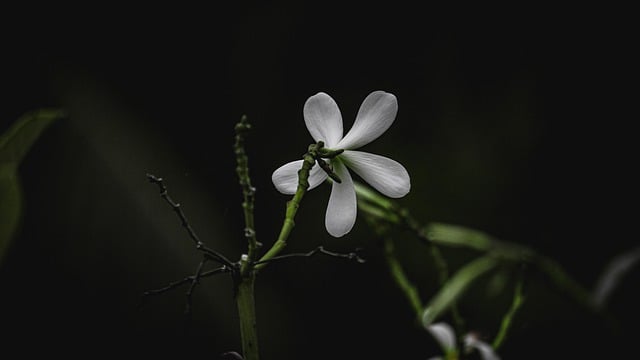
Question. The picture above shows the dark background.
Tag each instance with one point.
(514, 122)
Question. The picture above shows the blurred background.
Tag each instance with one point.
(513, 125)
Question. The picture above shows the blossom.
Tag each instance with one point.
(324, 122)
(446, 337)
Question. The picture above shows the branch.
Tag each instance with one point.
(507, 320)
(318, 250)
(189, 279)
(248, 193)
(436, 255)
(244, 277)
(195, 281)
(309, 159)
(382, 214)
(400, 277)
(214, 255)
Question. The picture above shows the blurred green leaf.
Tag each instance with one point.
(458, 236)
(14, 145)
(18, 139)
(10, 205)
(456, 286)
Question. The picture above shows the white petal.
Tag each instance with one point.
(385, 175)
(613, 273)
(444, 335)
(341, 211)
(376, 114)
(285, 178)
(486, 351)
(323, 119)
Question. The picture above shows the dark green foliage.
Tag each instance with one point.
(14, 145)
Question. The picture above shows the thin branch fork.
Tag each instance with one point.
(193, 279)
(208, 254)
(213, 255)
(318, 250)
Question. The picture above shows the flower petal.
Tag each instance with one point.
(485, 350)
(444, 335)
(376, 114)
(385, 175)
(285, 178)
(341, 211)
(323, 119)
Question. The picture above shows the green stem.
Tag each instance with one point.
(385, 209)
(409, 290)
(565, 282)
(247, 313)
(381, 208)
(507, 320)
(244, 279)
(383, 213)
(248, 192)
(309, 159)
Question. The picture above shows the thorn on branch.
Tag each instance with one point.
(249, 232)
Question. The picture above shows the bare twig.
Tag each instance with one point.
(194, 282)
(318, 250)
(189, 279)
(213, 255)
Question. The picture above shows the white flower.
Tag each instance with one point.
(446, 337)
(324, 122)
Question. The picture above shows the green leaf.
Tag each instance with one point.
(458, 236)
(10, 205)
(455, 287)
(14, 145)
(18, 139)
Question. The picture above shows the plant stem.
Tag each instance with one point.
(247, 313)
(309, 160)
(566, 283)
(382, 208)
(244, 279)
(440, 263)
(409, 290)
(507, 320)
(248, 193)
